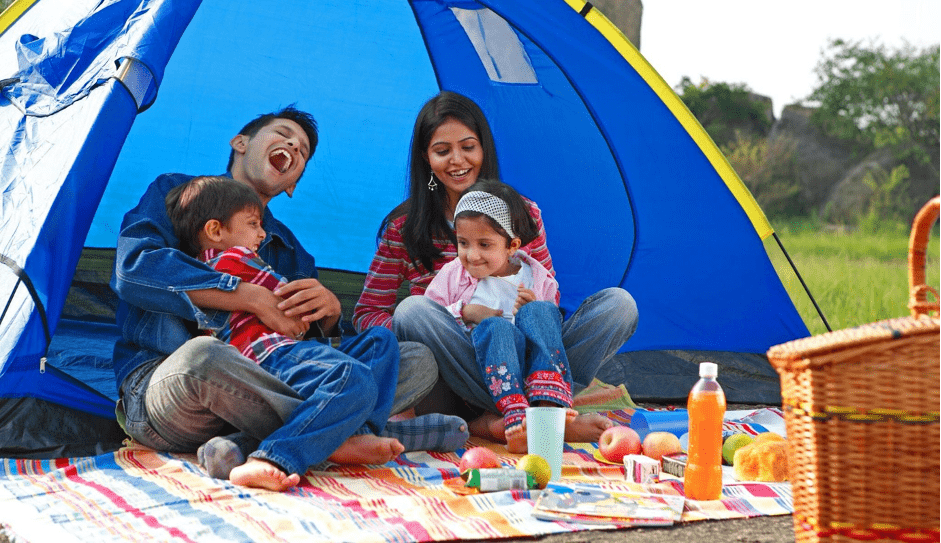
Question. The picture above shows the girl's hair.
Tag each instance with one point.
(194, 203)
(521, 221)
(424, 209)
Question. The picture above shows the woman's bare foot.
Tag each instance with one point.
(488, 426)
(516, 439)
(367, 449)
(257, 473)
(404, 415)
(585, 428)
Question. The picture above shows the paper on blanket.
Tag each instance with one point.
(608, 504)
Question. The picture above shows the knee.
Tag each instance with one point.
(620, 303)
(382, 338)
(413, 315)
(540, 310)
(199, 356)
(494, 327)
(411, 307)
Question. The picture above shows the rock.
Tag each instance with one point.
(625, 14)
(851, 195)
(821, 161)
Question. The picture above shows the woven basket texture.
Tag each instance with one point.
(861, 411)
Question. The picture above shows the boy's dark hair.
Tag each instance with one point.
(194, 203)
(520, 220)
(291, 113)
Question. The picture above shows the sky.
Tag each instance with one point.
(772, 47)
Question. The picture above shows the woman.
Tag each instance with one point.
(452, 146)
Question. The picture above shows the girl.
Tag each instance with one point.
(451, 147)
(507, 301)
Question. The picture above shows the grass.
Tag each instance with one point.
(856, 277)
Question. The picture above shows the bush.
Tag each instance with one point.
(889, 205)
(769, 170)
(724, 109)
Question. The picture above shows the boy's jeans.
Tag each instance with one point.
(592, 335)
(345, 392)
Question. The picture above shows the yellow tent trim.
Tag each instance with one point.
(13, 12)
(682, 114)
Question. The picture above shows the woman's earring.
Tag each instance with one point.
(432, 183)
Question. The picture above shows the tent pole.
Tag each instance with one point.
(801, 279)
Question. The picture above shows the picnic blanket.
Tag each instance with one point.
(137, 494)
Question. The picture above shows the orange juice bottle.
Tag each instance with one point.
(703, 477)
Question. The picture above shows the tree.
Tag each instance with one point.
(880, 96)
(725, 110)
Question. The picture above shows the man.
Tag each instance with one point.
(177, 392)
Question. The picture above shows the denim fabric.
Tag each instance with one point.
(342, 396)
(151, 281)
(591, 335)
(523, 362)
(206, 388)
(178, 392)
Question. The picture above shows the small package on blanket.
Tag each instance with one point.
(641, 469)
(674, 464)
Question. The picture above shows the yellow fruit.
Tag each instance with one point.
(733, 443)
(537, 466)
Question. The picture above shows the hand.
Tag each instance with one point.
(267, 311)
(311, 301)
(474, 313)
(523, 297)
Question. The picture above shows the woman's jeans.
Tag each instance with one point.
(591, 336)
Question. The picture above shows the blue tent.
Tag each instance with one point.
(100, 96)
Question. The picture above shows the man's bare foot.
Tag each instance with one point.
(516, 439)
(257, 473)
(488, 426)
(585, 428)
(367, 449)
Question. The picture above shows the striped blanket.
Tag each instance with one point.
(136, 494)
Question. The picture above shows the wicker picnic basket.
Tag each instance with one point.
(861, 411)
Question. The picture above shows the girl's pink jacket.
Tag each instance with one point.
(453, 286)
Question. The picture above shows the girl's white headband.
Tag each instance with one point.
(489, 205)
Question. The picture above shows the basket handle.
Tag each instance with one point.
(917, 247)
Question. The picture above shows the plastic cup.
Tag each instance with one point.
(676, 422)
(545, 436)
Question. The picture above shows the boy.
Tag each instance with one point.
(344, 407)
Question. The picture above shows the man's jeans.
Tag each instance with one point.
(592, 335)
(206, 388)
(524, 362)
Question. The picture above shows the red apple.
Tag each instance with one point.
(478, 458)
(617, 441)
(657, 444)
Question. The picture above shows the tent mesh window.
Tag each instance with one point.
(497, 45)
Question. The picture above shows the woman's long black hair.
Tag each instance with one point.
(423, 208)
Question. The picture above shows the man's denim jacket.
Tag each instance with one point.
(151, 278)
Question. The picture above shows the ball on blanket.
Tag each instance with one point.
(478, 458)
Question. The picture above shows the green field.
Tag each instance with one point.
(855, 277)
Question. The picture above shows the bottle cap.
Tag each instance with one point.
(708, 369)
